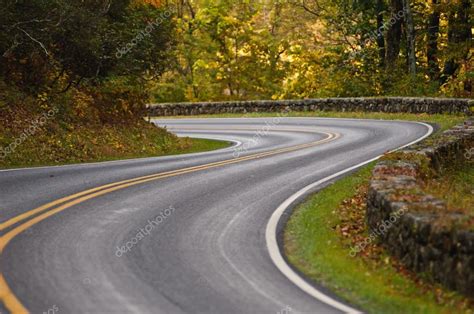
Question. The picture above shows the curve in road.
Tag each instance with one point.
(192, 230)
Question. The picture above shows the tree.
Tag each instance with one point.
(410, 32)
(57, 43)
(459, 37)
(394, 33)
(318, 48)
(380, 8)
(432, 42)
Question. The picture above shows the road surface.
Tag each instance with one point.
(177, 234)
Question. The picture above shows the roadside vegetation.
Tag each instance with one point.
(74, 79)
(452, 183)
(284, 49)
(63, 135)
(456, 187)
(58, 143)
(321, 232)
(318, 241)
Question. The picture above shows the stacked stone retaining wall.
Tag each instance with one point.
(386, 104)
(421, 231)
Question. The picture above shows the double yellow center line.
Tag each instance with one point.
(6, 295)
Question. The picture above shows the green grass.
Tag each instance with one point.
(199, 145)
(59, 146)
(445, 121)
(456, 187)
(315, 248)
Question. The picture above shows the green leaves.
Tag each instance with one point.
(46, 40)
(294, 48)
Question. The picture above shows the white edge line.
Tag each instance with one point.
(272, 242)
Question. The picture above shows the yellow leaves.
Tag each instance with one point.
(155, 3)
(42, 96)
(200, 64)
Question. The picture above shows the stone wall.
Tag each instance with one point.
(407, 105)
(418, 228)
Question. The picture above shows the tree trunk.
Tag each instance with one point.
(410, 31)
(394, 34)
(466, 38)
(432, 45)
(450, 65)
(380, 36)
(459, 38)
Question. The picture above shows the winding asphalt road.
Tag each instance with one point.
(191, 235)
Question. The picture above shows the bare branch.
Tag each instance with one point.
(314, 11)
(35, 40)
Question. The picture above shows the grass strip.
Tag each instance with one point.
(456, 187)
(314, 244)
